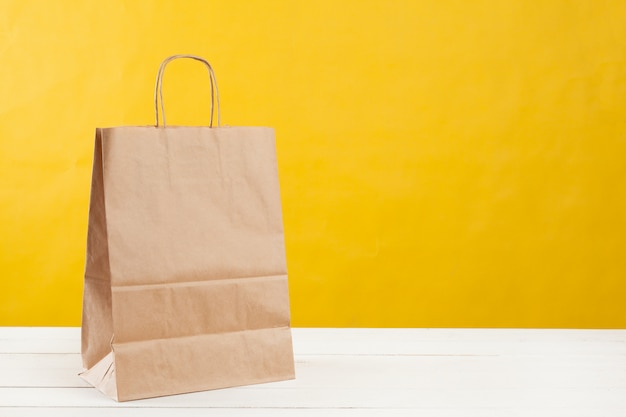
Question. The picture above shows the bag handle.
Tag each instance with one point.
(158, 88)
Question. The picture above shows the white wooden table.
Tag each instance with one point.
(354, 372)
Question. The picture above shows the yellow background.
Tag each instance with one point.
(442, 163)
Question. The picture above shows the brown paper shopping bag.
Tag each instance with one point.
(185, 276)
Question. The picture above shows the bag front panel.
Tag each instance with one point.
(192, 204)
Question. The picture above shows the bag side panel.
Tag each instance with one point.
(97, 326)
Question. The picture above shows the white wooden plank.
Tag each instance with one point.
(39, 339)
(381, 397)
(305, 412)
(45, 333)
(43, 370)
(459, 341)
(36, 361)
(347, 372)
(376, 341)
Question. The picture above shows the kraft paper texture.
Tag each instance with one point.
(185, 278)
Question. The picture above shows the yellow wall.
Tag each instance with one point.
(443, 163)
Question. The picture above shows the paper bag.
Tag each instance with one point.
(185, 277)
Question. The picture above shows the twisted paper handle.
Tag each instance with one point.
(158, 88)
